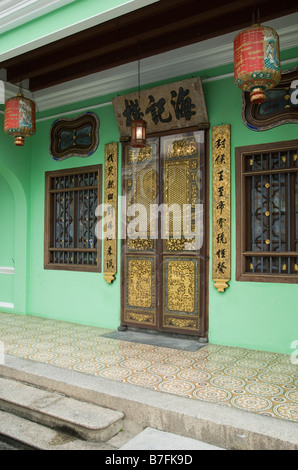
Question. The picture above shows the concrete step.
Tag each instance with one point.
(214, 424)
(89, 421)
(153, 439)
(38, 437)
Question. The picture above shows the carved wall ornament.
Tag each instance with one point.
(74, 137)
(279, 108)
(111, 200)
(221, 206)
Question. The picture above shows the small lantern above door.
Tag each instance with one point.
(138, 125)
(138, 133)
(257, 61)
(19, 120)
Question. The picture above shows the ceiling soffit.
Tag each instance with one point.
(180, 62)
(147, 32)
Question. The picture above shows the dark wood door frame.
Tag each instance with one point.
(204, 254)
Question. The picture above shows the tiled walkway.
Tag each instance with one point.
(260, 382)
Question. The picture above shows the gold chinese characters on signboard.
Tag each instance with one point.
(110, 200)
(221, 206)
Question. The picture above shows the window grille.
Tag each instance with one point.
(70, 221)
(267, 212)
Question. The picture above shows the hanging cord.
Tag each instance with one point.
(139, 78)
(139, 70)
(20, 92)
(254, 17)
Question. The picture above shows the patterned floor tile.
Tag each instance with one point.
(255, 381)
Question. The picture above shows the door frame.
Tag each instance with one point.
(204, 287)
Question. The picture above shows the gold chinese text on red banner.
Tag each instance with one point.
(221, 206)
(110, 199)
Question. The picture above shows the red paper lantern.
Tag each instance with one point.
(257, 61)
(138, 133)
(19, 120)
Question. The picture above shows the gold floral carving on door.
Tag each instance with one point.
(163, 256)
(181, 286)
(140, 283)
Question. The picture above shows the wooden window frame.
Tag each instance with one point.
(241, 215)
(49, 221)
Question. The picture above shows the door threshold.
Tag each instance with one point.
(159, 339)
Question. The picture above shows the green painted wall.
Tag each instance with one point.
(7, 224)
(7, 240)
(249, 314)
(73, 296)
(15, 194)
(254, 315)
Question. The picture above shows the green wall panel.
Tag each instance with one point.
(249, 314)
(7, 241)
(15, 215)
(7, 219)
(65, 295)
(6, 289)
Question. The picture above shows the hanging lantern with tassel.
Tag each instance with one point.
(19, 120)
(257, 61)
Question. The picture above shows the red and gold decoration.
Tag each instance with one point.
(257, 61)
(19, 121)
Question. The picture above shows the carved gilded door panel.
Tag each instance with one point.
(140, 184)
(183, 250)
(163, 251)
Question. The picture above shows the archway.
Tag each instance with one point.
(14, 226)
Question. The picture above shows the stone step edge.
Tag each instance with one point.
(211, 423)
(89, 421)
(39, 437)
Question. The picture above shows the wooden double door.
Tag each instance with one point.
(163, 257)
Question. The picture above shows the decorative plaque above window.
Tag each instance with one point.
(74, 137)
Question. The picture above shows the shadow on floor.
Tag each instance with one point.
(158, 339)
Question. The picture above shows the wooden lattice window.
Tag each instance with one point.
(70, 205)
(267, 212)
